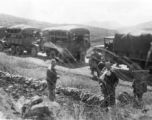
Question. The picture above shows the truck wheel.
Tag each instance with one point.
(13, 49)
(48, 53)
(18, 50)
(61, 57)
(1, 47)
(150, 69)
(34, 51)
(52, 54)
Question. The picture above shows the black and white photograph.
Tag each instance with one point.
(75, 60)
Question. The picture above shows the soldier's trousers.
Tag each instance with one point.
(51, 92)
(109, 96)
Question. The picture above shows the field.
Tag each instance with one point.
(76, 78)
(72, 75)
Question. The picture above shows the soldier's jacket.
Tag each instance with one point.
(112, 80)
(139, 86)
(51, 76)
(108, 86)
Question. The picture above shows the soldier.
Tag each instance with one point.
(108, 82)
(96, 62)
(51, 80)
(139, 87)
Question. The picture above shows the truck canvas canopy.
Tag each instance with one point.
(135, 44)
(2, 31)
(23, 29)
(71, 28)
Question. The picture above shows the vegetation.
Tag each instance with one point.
(73, 109)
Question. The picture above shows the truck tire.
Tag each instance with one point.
(34, 51)
(1, 47)
(47, 53)
(52, 54)
(19, 51)
(150, 69)
(61, 57)
(13, 49)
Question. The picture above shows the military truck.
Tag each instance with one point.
(65, 42)
(130, 48)
(20, 38)
(2, 31)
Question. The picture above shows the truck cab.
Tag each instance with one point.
(108, 42)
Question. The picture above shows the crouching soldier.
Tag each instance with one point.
(51, 80)
(108, 82)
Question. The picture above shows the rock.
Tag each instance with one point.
(28, 86)
(125, 98)
(39, 108)
(7, 106)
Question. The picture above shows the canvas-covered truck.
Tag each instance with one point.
(20, 38)
(2, 31)
(65, 42)
(130, 48)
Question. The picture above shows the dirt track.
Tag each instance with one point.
(43, 60)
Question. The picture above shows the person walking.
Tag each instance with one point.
(108, 82)
(51, 80)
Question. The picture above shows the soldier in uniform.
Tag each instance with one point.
(139, 87)
(108, 82)
(51, 80)
(96, 63)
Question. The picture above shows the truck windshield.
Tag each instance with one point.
(108, 42)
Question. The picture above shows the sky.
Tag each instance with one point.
(125, 12)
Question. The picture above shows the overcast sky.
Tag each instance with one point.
(126, 12)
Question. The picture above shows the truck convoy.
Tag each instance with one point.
(65, 42)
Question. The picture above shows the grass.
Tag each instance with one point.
(73, 108)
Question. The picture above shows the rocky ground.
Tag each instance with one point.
(23, 90)
(25, 98)
(78, 97)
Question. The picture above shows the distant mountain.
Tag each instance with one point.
(9, 20)
(113, 25)
(96, 33)
(141, 26)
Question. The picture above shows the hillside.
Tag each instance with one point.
(97, 33)
(113, 25)
(141, 26)
(8, 20)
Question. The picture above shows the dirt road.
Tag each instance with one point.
(43, 60)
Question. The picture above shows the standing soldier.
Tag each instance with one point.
(139, 87)
(139, 82)
(51, 80)
(108, 82)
